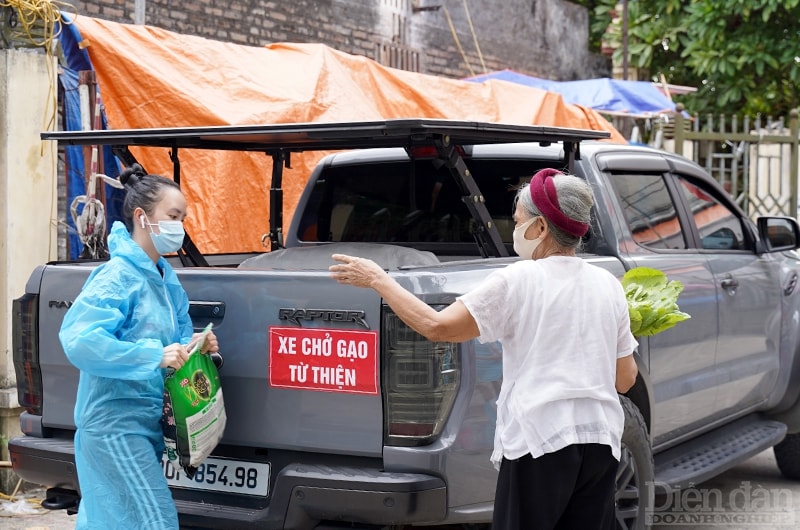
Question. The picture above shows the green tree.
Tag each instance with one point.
(743, 55)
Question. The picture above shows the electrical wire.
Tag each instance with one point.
(455, 38)
(474, 37)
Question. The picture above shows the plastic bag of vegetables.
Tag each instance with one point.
(652, 301)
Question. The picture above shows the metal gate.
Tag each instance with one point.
(756, 161)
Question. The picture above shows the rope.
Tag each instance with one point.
(46, 13)
(474, 37)
(455, 38)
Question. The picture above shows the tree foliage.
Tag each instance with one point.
(742, 55)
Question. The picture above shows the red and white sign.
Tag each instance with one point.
(330, 360)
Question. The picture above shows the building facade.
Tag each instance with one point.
(452, 38)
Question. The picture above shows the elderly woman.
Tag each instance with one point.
(567, 351)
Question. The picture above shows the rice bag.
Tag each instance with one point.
(193, 415)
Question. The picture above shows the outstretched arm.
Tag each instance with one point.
(452, 324)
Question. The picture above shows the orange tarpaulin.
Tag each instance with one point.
(149, 77)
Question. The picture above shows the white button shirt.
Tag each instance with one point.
(563, 323)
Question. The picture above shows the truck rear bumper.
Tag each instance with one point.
(303, 495)
(46, 461)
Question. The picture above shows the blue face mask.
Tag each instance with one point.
(170, 236)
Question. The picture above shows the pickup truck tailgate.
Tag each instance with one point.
(300, 414)
(321, 340)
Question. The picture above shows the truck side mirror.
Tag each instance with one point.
(778, 234)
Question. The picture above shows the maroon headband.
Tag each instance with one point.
(545, 198)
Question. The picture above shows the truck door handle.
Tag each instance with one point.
(790, 285)
(202, 310)
(729, 283)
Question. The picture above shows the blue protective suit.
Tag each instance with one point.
(115, 333)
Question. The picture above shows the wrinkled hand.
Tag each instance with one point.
(211, 345)
(175, 356)
(359, 272)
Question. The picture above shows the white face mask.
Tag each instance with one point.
(522, 246)
(170, 236)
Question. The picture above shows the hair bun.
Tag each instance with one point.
(131, 175)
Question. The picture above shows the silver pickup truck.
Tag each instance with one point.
(340, 416)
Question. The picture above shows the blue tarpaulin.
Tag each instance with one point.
(77, 60)
(636, 98)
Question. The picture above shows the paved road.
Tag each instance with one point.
(25, 514)
(751, 496)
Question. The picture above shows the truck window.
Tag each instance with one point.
(649, 210)
(718, 226)
(405, 203)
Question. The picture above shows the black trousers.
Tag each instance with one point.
(571, 489)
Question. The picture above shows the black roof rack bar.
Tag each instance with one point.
(486, 235)
(125, 156)
(326, 136)
(280, 159)
(279, 140)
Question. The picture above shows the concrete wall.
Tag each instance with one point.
(28, 198)
(546, 38)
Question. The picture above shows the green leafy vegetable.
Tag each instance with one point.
(652, 301)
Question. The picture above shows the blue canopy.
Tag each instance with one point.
(602, 94)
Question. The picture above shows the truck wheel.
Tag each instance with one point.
(635, 494)
(787, 455)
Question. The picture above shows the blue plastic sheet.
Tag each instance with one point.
(77, 60)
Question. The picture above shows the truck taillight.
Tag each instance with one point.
(420, 382)
(26, 352)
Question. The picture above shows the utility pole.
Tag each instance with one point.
(138, 12)
(624, 40)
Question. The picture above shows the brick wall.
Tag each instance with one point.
(546, 38)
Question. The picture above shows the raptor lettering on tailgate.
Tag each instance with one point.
(329, 360)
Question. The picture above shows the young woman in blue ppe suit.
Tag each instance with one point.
(126, 327)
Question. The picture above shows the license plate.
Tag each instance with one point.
(223, 475)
